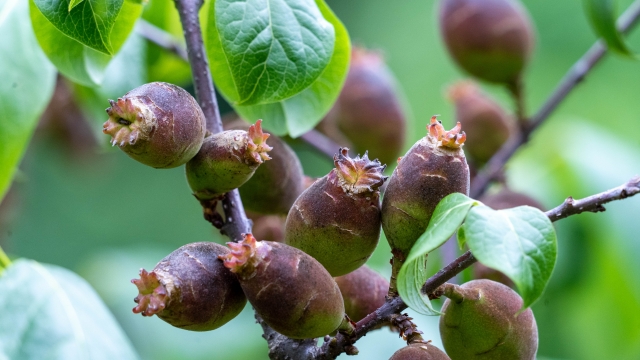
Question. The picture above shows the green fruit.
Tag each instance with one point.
(289, 289)
(363, 291)
(276, 184)
(369, 114)
(490, 39)
(226, 161)
(481, 320)
(157, 124)
(419, 351)
(191, 289)
(486, 124)
(337, 219)
(432, 169)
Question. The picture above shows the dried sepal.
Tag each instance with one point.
(452, 139)
(130, 120)
(257, 147)
(245, 254)
(358, 175)
(152, 297)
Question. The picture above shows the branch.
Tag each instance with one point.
(161, 38)
(573, 77)
(335, 346)
(236, 220)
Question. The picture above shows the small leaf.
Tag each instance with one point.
(27, 84)
(77, 62)
(411, 277)
(299, 114)
(447, 217)
(520, 242)
(51, 313)
(602, 16)
(73, 3)
(89, 22)
(267, 50)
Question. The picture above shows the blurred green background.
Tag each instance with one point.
(89, 208)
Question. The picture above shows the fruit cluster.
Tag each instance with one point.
(311, 281)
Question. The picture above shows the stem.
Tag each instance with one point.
(236, 220)
(572, 78)
(320, 142)
(517, 93)
(161, 38)
(4, 261)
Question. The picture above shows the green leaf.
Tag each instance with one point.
(520, 242)
(89, 22)
(299, 114)
(51, 313)
(78, 62)
(411, 277)
(27, 84)
(267, 50)
(447, 217)
(73, 3)
(602, 16)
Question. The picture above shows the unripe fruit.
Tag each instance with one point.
(226, 161)
(433, 168)
(276, 184)
(368, 112)
(491, 39)
(486, 124)
(337, 219)
(289, 289)
(363, 291)
(481, 321)
(419, 351)
(191, 289)
(157, 124)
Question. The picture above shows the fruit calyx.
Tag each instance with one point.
(257, 147)
(153, 294)
(452, 139)
(358, 175)
(130, 119)
(245, 255)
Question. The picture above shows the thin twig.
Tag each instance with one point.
(236, 222)
(573, 77)
(161, 38)
(321, 142)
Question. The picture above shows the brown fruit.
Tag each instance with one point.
(268, 227)
(481, 321)
(289, 289)
(226, 161)
(276, 184)
(368, 114)
(419, 351)
(486, 124)
(363, 291)
(157, 124)
(191, 289)
(337, 219)
(490, 39)
(433, 168)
